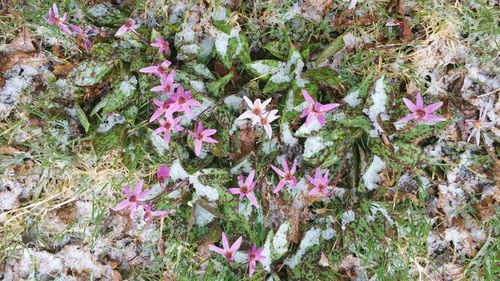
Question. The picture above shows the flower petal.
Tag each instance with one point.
(278, 171)
(406, 118)
(216, 249)
(236, 245)
(433, 107)
(122, 205)
(412, 107)
(253, 200)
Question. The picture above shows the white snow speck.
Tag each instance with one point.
(328, 233)
(110, 121)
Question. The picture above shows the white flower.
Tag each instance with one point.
(266, 121)
(256, 111)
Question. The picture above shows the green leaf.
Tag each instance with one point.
(214, 177)
(82, 118)
(201, 70)
(404, 154)
(89, 73)
(110, 140)
(119, 97)
(263, 67)
(361, 122)
(278, 49)
(272, 86)
(244, 54)
(423, 131)
(105, 14)
(216, 88)
(365, 85)
(330, 50)
(323, 75)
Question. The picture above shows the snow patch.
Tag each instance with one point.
(310, 239)
(280, 240)
(197, 110)
(347, 217)
(244, 166)
(111, 120)
(314, 145)
(233, 101)
(287, 136)
(353, 99)
(379, 98)
(371, 176)
(203, 217)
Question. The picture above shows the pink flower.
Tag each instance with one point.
(226, 251)
(159, 70)
(54, 18)
(149, 215)
(320, 183)
(134, 199)
(163, 174)
(167, 126)
(265, 121)
(129, 25)
(254, 255)
(287, 175)
(164, 108)
(480, 124)
(162, 45)
(421, 113)
(167, 84)
(201, 135)
(183, 100)
(316, 109)
(246, 188)
(79, 33)
(257, 109)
